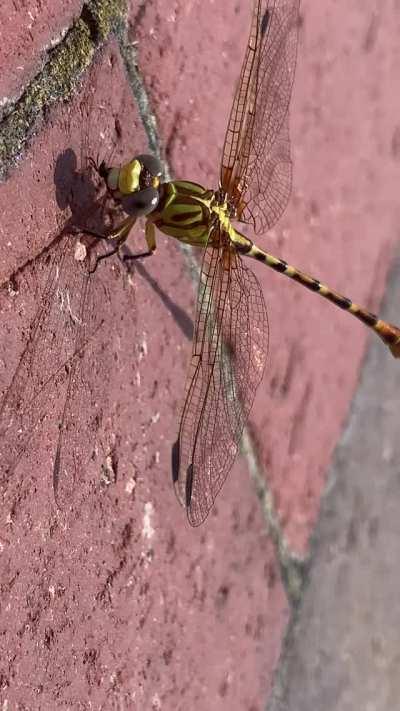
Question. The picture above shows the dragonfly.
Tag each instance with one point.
(230, 342)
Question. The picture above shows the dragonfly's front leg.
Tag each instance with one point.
(139, 203)
(118, 235)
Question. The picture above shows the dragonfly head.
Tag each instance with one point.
(142, 172)
(135, 184)
(139, 183)
(150, 171)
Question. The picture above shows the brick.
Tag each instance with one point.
(28, 30)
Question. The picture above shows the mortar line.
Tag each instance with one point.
(291, 564)
(277, 698)
(147, 115)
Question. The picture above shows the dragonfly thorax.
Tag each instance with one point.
(190, 213)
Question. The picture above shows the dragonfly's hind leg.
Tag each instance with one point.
(118, 235)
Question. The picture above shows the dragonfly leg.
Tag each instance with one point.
(139, 255)
(150, 235)
(106, 255)
(119, 235)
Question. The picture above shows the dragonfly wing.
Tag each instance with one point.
(256, 167)
(48, 383)
(228, 358)
(26, 399)
(86, 396)
(268, 192)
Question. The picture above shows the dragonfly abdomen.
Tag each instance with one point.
(389, 334)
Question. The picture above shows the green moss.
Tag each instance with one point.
(106, 15)
(59, 77)
(68, 63)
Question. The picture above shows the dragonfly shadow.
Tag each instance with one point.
(55, 366)
(183, 321)
(77, 190)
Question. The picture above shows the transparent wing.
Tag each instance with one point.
(57, 377)
(256, 169)
(50, 381)
(228, 358)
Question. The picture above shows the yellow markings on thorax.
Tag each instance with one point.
(185, 212)
(222, 213)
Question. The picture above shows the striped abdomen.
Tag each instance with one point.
(389, 334)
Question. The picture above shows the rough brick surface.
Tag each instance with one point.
(39, 204)
(190, 55)
(339, 226)
(113, 601)
(27, 31)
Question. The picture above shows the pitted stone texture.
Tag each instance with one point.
(114, 601)
(28, 30)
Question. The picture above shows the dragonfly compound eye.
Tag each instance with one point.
(151, 172)
(141, 202)
(151, 164)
